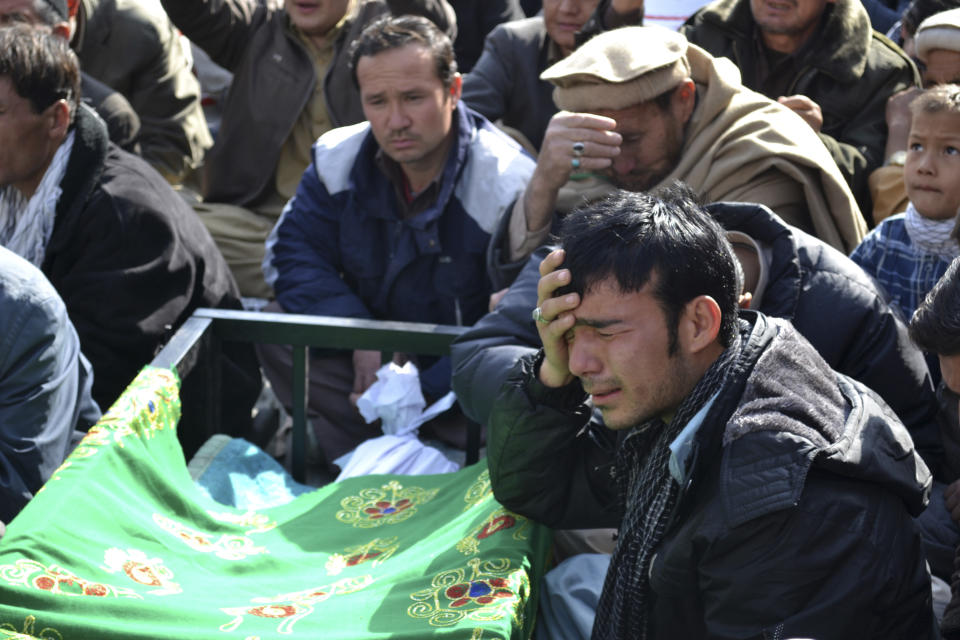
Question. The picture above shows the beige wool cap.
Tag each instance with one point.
(939, 31)
(620, 68)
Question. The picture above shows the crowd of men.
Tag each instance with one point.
(711, 274)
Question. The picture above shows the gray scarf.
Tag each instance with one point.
(649, 495)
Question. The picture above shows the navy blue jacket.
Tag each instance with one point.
(343, 248)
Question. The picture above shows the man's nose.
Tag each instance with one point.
(583, 360)
(398, 117)
(624, 164)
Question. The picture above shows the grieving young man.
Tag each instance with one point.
(756, 491)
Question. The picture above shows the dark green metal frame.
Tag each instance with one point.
(201, 335)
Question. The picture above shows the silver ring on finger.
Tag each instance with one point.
(575, 163)
(578, 148)
(538, 316)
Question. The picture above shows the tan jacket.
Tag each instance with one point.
(741, 146)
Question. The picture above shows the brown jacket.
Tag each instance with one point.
(741, 146)
(273, 80)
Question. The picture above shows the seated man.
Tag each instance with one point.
(393, 218)
(807, 55)
(44, 383)
(643, 108)
(127, 255)
(787, 274)
(291, 84)
(131, 46)
(757, 492)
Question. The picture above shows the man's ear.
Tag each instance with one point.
(456, 88)
(684, 100)
(59, 113)
(700, 324)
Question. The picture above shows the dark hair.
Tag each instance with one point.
(920, 10)
(935, 326)
(666, 236)
(393, 32)
(40, 65)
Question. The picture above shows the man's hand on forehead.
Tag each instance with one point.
(554, 317)
(576, 143)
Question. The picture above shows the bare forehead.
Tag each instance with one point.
(940, 124)
(412, 57)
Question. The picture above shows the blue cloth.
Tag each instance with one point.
(568, 602)
(343, 248)
(244, 476)
(905, 273)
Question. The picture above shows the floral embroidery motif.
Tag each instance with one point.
(490, 592)
(28, 633)
(228, 547)
(377, 551)
(497, 521)
(149, 572)
(255, 522)
(292, 607)
(479, 491)
(58, 581)
(389, 504)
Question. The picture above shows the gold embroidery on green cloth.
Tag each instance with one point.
(479, 491)
(377, 551)
(151, 403)
(389, 504)
(498, 520)
(256, 522)
(58, 581)
(145, 571)
(228, 547)
(490, 591)
(10, 631)
(292, 607)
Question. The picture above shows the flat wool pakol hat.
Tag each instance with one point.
(619, 69)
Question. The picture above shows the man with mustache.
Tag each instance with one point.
(392, 219)
(291, 84)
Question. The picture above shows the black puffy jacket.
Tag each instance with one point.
(795, 522)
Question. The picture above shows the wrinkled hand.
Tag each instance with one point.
(805, 108)
(601, 145)
(365, 366)
(555, 369)
(497, 296)
(951, 497)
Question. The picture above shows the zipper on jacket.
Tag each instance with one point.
(457, 313)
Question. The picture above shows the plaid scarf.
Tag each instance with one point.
(649, 497)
